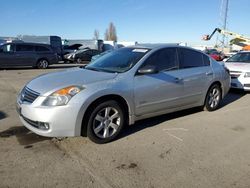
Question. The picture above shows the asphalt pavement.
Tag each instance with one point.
(191, 148)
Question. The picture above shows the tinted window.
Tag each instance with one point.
(41, 49)
(24, 48)
(190, 58)
(165, 59)
(8, 48)
(206, 60)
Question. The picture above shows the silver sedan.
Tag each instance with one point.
(119, 88)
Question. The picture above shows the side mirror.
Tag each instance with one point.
(1, 50)
(147, 70)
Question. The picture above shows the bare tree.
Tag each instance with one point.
(96, 34)
(110, 33)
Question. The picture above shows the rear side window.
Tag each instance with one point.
(206, 60)
(24, 48)
(42, 49)
(165, 59)
(190, 58)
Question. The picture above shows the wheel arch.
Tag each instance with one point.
(214, 83)
(121, 100)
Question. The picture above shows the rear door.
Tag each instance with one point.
(161, 91)
(25, 55)
(196, 74)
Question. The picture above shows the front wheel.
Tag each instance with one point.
(78, 61)
(213, 98)
(105, 122)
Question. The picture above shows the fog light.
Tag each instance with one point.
(43, 126)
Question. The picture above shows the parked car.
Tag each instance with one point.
(239, 67)
(70, 48)
(100, 55)
(81, 55)
(218, 56)
(230, 54)
(27, 54)
(119, 88)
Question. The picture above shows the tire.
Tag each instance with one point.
(105, 122)
(42, 64)
(78, 61)
(213, 98)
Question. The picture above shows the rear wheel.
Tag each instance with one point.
(42, 64)
(105, 122)
(213, 98)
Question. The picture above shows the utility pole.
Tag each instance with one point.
(221, 40)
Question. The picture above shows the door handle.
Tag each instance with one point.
(209, 73)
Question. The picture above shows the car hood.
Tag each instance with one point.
(237, 66)
(51, 82)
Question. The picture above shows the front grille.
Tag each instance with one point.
(28, 95)
(235, 74)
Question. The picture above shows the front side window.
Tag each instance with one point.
(163, 60)
(190, 58)
(120, 60)
(240, 57)
(8, 48)
(24, 48)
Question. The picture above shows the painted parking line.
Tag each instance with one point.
(175, 129)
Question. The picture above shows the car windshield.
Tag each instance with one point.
(240, 57)
(119, 61)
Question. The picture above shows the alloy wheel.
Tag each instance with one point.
(106, 122)
(214, 97)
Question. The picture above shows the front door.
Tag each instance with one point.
(7, 55)
(154, 93)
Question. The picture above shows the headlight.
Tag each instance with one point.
(62, 96)
(247, 74)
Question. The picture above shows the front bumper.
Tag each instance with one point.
(61, 120)
(241, 83)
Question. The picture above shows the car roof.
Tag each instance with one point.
(161, 45)
(29, 43)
